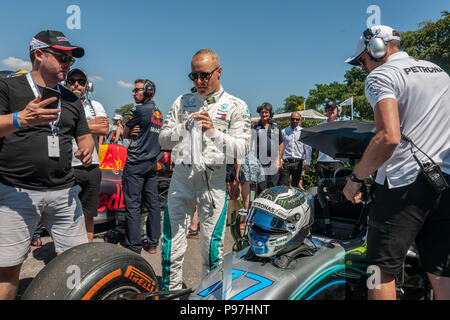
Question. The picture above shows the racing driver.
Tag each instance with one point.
(222, 123)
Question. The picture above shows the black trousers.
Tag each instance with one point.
(140, 184)
(292, 167)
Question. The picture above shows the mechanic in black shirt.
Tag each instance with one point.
(36, 176)
(139, 176)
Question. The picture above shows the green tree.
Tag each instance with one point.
(290, 104)
(355, 74)
(323, 92)
(353, 86)
(430, 42)
(125, 110)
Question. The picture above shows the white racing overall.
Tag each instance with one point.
(202, 186)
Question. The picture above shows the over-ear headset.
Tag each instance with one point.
(89, 87)
(266, 106)
(149, 89)
(375, 47)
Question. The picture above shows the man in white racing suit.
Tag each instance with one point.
(208, 129)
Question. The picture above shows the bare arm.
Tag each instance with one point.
(128, 133)
(99, 126)
(34, 113)
(380, 148)
(120, 132)
(85, 148)
(280, 155)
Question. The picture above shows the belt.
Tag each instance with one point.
(292, 160)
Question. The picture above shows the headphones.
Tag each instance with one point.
(375, 47)
(266, 106)
(89, 87)
(149, 89)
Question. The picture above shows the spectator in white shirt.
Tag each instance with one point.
(296, 155)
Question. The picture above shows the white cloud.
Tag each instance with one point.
(125, 84)
(16, 63)
(95, 78)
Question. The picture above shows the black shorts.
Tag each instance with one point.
(89, 180)
(231, 173)
(401, 216)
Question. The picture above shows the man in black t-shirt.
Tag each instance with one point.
(36, 177)
(139, 175)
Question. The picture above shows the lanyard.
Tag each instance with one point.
(54, 124)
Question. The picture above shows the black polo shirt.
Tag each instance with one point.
(24, 160)
(273, 132)
(145, 146)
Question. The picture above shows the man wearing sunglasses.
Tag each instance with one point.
(36, 179)
(410, 99)
(139, 180)
(296, 154)
(88, 178)
(222, 124)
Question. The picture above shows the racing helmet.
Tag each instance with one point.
(279, 220)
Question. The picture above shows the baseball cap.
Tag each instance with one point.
(77, 71)
(379, 31)
(55, 39)
(117, 117)
(330, 104)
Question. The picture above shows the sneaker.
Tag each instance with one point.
(152, 249)
(36, 241)
(193, 234)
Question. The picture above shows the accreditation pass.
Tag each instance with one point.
(53, 146)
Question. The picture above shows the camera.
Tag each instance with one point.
(435, 177)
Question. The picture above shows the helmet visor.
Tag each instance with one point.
(267, 222)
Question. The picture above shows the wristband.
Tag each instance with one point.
(355, 179)
(15, 121)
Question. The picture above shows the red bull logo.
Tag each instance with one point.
(156, 118)
(157, 114)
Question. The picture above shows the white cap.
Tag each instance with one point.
(117, 117)
(383, 32)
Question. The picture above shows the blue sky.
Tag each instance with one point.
(269, 50)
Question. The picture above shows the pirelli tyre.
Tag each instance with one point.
(93, 271)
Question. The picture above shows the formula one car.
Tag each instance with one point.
(297, 245)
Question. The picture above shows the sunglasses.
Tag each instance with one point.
(137, 89)
(202, 75)
(64, 58)
(295, 119)
(81, 82)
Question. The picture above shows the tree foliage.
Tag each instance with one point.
(290, 104)
(125, 110)
(325, 92)
(355, 75)
(430, 42)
